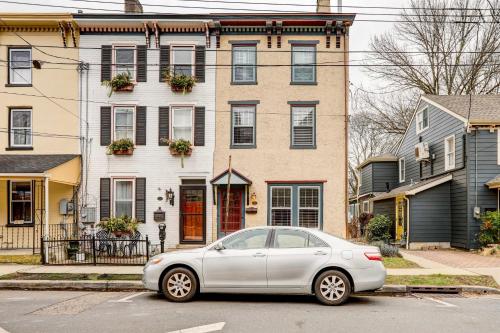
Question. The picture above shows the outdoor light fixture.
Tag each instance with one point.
(170, 196)
(37, 64)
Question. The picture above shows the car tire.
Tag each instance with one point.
(332, 288)
(179, 285)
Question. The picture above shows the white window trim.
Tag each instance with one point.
(11, 222)
(172, 115)
(420, 112)
(113, 194)
(449, 166)
(113, 60)
(113, 121)
(366, 206)
(318, 188)
(234, 65)
(282, 207)
(402, 179)
(11, 120)
(10, 69)
(360, 177)
(233, 111)
(193, 56)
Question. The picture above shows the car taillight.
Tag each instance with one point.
(373, 256)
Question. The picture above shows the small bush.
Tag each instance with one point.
(379, 229)
(489, 233)
(387, 250)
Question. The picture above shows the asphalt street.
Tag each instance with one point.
(75, 312)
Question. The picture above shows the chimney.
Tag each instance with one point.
(133, 6)
(323, 6)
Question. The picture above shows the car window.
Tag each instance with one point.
(316, 242)
(251, 239)
(289, 238)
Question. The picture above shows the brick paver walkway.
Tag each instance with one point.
(458, 258)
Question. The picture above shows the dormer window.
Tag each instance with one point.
(422, 120)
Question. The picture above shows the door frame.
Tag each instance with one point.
(181, 227)
(219, 209)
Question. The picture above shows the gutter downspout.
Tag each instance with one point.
(407, 223)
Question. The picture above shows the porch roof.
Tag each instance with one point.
(236, 178)
(415, 188)
(64, 168)
(494, 183)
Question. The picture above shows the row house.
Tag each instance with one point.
(443, 175)
(39, 136)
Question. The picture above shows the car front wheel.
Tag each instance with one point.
(332, 288)
(179, 285)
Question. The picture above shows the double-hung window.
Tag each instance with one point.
(449, 153)
(402, 170)
(295, 205)
(422, 120)
(244, 64)
(124, 122)
(303, 123)
(20, 128)
(20, 195)
(19, 66)
(183, 60)
(182, 123)
(303, 64)
(243, 126)
(125, 60)
(123, 198)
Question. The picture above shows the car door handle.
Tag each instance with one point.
(259, 254)
(320, 253)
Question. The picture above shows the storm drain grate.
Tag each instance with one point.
(434, 289)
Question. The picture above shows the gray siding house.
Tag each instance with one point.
(443, 175)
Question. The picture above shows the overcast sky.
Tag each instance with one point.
(361, 32)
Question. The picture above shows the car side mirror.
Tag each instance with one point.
(219, 246)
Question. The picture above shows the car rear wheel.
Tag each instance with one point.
(332, 288)
(179, 285)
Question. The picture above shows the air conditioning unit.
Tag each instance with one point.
(422, 151)
(87, 215)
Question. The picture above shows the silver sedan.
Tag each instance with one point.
(271, 260)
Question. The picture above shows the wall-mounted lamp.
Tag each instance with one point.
(170, 196)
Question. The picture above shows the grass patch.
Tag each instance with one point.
(442, 280)
(398, 262)
(20, 259)
(71, 276)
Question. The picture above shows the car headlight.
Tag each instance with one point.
(154, 261)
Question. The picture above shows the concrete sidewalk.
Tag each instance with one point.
(84, 269)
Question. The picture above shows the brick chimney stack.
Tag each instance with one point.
(133, 6)
(323, 6)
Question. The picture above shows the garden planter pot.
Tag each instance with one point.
(123, 152)
(121, 233)
(130, 87)
(176, 89)
(176, 153)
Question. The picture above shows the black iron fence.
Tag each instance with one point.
(28, 237)
(95, 251)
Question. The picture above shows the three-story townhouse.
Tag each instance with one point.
(152, 182)
(281, 94)
(39, 128)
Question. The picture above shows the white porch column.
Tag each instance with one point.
(46, 214)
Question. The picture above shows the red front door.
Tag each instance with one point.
(234, 220)
(192, 214)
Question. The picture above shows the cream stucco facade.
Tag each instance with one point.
(273, 160)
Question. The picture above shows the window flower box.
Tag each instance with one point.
(180, 148)
(179, 83)
(129, 87)
(120, 82)
(121, 147)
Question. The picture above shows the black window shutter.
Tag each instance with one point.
(140, 125)
(200, 63)
(142, 63)
(105, 198)
(105, 125)
(199, 126)
(164, 60)
(163, 125)
(106, 61)
(140, 200)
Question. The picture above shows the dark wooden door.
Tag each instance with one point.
(235, 218)
(192, 214)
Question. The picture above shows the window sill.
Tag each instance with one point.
(303, 147)
(242, 146)
(18, 148)
(292, 83)
(253, 83)
(19, 85)
(9, 225)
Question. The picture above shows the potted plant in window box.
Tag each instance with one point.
(180, 148)
(179, 83)
(119, 226)
(120, 82)
(121, 147)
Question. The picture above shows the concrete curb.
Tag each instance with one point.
(115, 285)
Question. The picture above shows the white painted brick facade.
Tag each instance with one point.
(161, 170)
